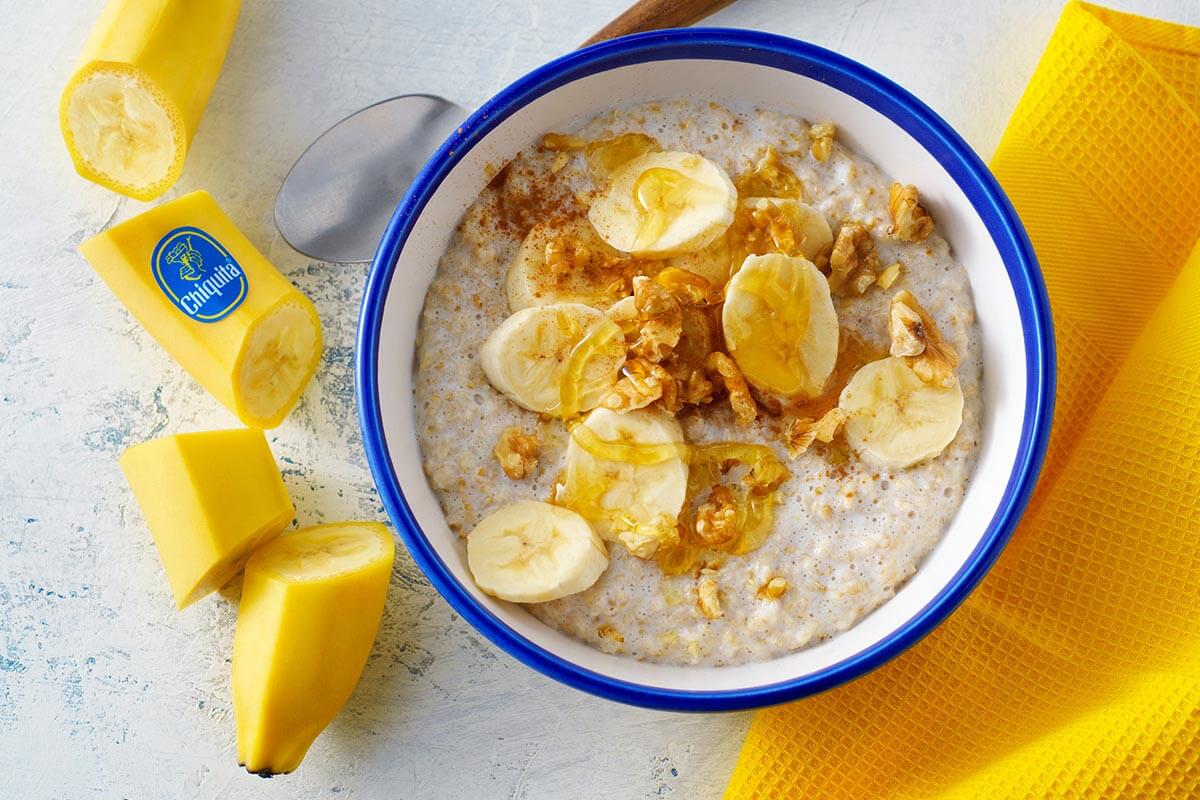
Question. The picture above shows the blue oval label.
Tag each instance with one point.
(198, 275)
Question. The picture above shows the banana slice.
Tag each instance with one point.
(538, 352)
(663, 204)
(780, 326)
(534, 552)
(565, 263)
(627, 475)
(895, 419)
(713, 263)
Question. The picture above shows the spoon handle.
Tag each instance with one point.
(652, 15)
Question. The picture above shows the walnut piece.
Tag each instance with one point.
(910, 221)
(740, 400)
(562, 143)
(607, 631)
(821, 134)
(716, 518)
(853, 261)
(772, 589)
(763, 227)
(644, 540)
(801, 433)
(659, 320)
(889, 275)
(641, 383)
(698, 390)
(605, 155)
(708, 597)
(517, 452)
(915, 336)
(770, 177)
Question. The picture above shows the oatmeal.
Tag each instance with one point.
(734, 362)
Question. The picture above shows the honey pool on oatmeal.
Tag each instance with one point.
(697, 384)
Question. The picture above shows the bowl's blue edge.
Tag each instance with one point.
(935, 135)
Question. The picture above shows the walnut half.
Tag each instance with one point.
(915, 336)
(822, 134)
(853, 261)
(740, 399)
(517, 452)
(910, 221)
(716, 518)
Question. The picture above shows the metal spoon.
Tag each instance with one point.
(337, 199)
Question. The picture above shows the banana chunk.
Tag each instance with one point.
(541, 352)
(780, 325)
(894, 418)
(534, 552)
(565, 263)
(627, 474)
(664, 204)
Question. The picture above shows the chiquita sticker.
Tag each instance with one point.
(198, 274)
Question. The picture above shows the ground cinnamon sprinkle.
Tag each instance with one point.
(518, 198)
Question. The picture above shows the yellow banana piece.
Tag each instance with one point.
(215, 303)
(129, 112)
(209, 500)
(311, 605)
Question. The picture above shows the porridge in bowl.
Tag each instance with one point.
(698, 385)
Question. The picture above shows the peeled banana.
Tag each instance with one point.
(129, 112)
(311, 605)
(534, 552)
(209, 500)
(780, 325)
(215, 303)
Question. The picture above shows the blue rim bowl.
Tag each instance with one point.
(847, 76)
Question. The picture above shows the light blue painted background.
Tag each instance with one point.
(107, 692)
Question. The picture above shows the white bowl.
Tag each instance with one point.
(877, 119)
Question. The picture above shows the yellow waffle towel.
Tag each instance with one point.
(1074, 669)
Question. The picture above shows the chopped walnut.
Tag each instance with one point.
(609, 632)
(915, 336)
(889, 276)
(822, 134)
(659, 317)
(644, 540)
(642, 383)
(801, 433)
(517, 452)
(605, 155)
(698, 390)
(772, 589)
(743, 405)
(853, 261)
(829, 424)
(769, 178)
(560, 161)
(708, 597)
(910, 221)
(566, 255)
(562, 142)
(764, 226)
(716, 518)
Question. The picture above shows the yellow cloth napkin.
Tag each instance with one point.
(1074, 669)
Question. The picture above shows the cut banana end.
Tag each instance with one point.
(664, 204)
(539, 350)
(311, 605)
(121, 132)
(564, 264)
(145, 74)
(780, 325)
(534, 552)
(279, 356)
(895, 419)
(627, 475)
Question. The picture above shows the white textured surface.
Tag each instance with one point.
(104, 690)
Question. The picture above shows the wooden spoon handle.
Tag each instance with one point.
(653, 15)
